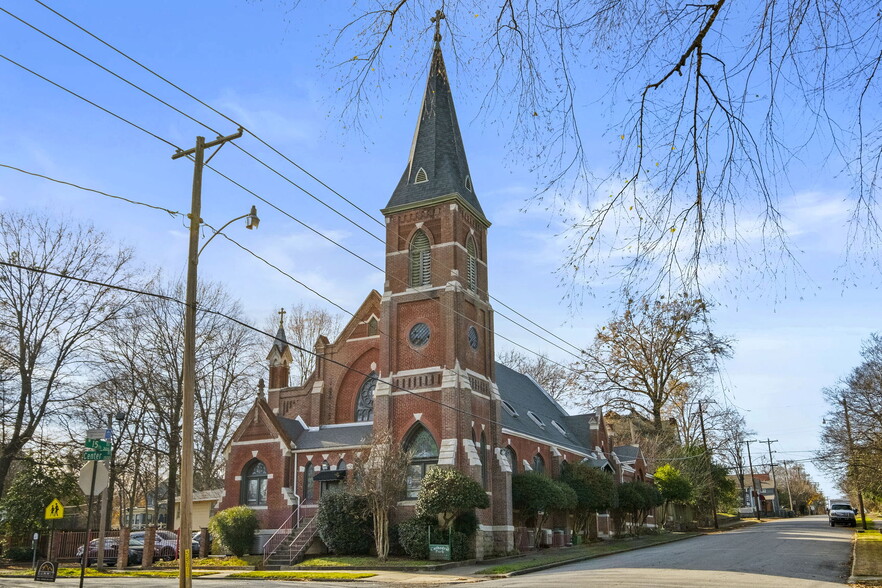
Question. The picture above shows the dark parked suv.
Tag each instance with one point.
(841, 513)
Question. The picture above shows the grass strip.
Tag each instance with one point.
(867, 554)
(581, 552)
(302, 576)
(215, 562)
(347, 561)
(93, 573)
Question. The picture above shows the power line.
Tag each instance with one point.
(329, 188)
(254, 254)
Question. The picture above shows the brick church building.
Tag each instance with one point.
(417, 359)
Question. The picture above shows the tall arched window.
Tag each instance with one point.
(538, 464)
(424, 456)
(254, 484)
(364, 403)
(485, 463)
(341, 465)
(308, 483)
(512, 458)
(420, 260)
(472, 265)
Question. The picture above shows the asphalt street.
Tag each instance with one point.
(803, 552)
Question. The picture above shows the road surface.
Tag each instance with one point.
(804, 552)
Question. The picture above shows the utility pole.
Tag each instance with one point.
(185, 579)
(753, 494)
(710, 471)
(769, 442)
(853, 465)
(787, 479)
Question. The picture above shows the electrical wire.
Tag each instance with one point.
(285, 157)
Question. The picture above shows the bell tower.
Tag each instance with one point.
(437, 357)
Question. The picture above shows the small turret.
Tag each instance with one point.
(280, 357)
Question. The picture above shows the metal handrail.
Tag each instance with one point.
(267, 552)
(310, 526)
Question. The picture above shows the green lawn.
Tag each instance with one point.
(346, 561)
(582, 551)
(249, 561)
(868, 554)
(93, 573)
(302, 576)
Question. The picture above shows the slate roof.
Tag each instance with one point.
(438, 149)
(281, 341)
(627, 453)
(327, 436)
(523, 394)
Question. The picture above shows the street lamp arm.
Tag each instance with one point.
(252, 224)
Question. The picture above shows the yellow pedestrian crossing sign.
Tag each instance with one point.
(55, 510)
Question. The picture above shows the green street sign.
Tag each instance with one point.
(98, 444)
(96, 455)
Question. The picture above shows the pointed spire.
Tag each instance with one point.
(281, 342)
(437, 168)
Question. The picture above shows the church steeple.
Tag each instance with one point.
(437, 168)
(279, 357)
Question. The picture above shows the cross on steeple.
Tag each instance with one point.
(281, 317)
(437, 20)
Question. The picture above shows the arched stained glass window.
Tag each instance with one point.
(308, 483)
(472, 265)
(420, 260)
(512, 458)
(538, 464)
(364, 403)
(254, 484)
(485, 461)
(424, 456)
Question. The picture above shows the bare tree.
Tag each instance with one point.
(48, 324)
(710, 105)
(381, 477)
(731, 436)
(303, 326)
(856, 462)
(558, 380)
(652, 354)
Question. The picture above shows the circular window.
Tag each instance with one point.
(473, 337)
(419, 334)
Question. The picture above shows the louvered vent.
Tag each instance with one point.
(421, 176)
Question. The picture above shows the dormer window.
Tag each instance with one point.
(468, 183)
(510, 409)
(421, 176)
(559, 428)
(535, 418)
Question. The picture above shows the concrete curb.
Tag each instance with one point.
(556, 564)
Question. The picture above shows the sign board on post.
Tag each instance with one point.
(55, 510)
(102, 477)
(46, 572)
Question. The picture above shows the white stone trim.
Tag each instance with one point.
(418, 290)
(496, 527)
(415, 372)
(555, 452)
(255, 442)
(317, 387)
(504, 464)
(362, 338)
(257, 507)
(447, 452)
(471, 452)
(289, 495)
(383, 388)
(527, 466)
(238, 478)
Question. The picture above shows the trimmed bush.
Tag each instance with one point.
(235, 528)
(344, 523)
(459, 548)
(413, 535)
(19, 554)
(466, 523)
(448, 494)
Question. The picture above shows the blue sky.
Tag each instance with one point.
(267, 68)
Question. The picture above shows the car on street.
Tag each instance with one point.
(111, 551)
(165, 544)
(841, 513)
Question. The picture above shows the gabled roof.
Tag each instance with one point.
(327, 436)
(524, 395)
(628, 453)
(437, 151)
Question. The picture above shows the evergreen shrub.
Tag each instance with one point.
(235, 528)
(345, 524)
